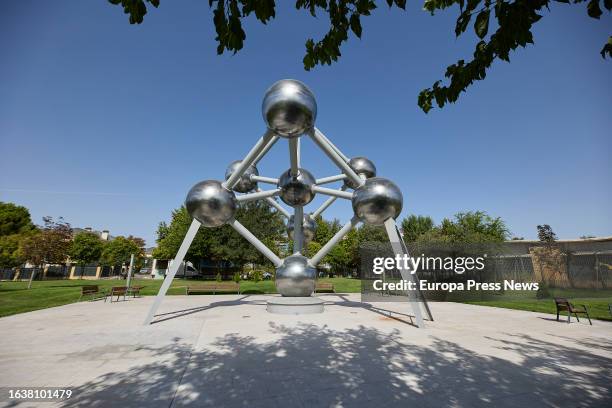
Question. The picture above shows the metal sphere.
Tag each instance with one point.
(211, 203)
(377, 200)
(244, 184)
(363, 167)
(296, 190)
(308, 227)
(289, 108)
(295, 277)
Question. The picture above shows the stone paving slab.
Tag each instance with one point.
(227, 351)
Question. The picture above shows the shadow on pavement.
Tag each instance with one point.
(313, 366)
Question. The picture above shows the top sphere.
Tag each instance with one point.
(244, 184)
(211, 203)
(363, 167)
(289, 108)
(377, 200)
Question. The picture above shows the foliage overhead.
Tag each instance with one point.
(512, 24)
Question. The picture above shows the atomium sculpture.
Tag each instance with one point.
(289, 109)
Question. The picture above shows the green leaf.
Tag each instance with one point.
(593, 9)
(481, 25)
(356, 24)
(462, 22)
(607, 49)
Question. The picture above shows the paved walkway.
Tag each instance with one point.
(227, 351)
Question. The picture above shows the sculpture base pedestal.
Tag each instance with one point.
(295, 305)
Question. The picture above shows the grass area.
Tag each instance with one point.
(598, 307)
(16, 298)
(596, 300)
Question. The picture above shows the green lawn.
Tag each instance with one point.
(598, 307)
(16, 298)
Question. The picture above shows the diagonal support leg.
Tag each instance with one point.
(261, 147)
(178, 260)
(425, 304)
(395, 240)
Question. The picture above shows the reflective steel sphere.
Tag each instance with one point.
(295, 277)
(308, 227)
(363, 167)
(211, 203)
(377, 200)
(296, 190)
(244, 184)
(289, 108)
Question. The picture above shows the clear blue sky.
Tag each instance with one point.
(109, 124)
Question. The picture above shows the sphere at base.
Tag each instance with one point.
(289, 108)
(296, 189)
(295, 277)
(363, 167)
(244, 184)
(308, 227)
(377, 200)
(211, 203)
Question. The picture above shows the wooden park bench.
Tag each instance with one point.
(324, 287)
(564, 304)
(134, 291)
(117, 291)
(214, 287)
(93, 291)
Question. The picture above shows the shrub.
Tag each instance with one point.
(236, 277)
(256, 276)
(219, 279)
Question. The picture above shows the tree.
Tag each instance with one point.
(370, 233)
(86, 248)
(119, 251)
(50, 245)
(223, 243)
(169, 238)
(513, 20)
(474, 227)
(14, 219)
(416, 225)
(546, 234)
(15, 226)
(10, 256)
(467, 227)
(264, 222)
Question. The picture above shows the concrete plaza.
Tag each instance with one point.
(227, 351)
